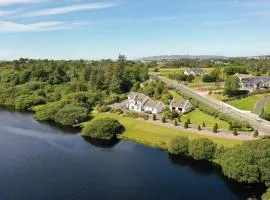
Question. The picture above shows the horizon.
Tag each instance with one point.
(95, 30)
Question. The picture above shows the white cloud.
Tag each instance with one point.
(70, 9)
(9, 2)
(7, 26)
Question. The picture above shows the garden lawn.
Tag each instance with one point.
(175, 95)
(198, 117)
(248, 103)
(155, 135)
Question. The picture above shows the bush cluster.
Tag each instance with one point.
(199, 149)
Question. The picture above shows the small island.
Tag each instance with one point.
(102, 129)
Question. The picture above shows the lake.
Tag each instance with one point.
(43, 162)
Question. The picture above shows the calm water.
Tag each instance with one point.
(43, 162)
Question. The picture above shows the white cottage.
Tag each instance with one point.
(252, 83)
(141, 103)
(194, 72)
(181, 106)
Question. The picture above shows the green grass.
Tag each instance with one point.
(156, 135)
(175, 95)
(267, 108)
(198, 117)
(248, 103)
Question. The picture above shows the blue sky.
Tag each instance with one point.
(95, 29)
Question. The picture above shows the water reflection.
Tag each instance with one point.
(103, 143)
(205, 168)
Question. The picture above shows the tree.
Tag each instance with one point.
(188, 121)
(199, 128)
(231, 86)
(105, 129)
(215, 128)
(179, 146)
(207, 78)
(256, 133)
(230, 127)
(179, 119)
(202, 149)
(154, 117)
(248, 163)
(175, 123)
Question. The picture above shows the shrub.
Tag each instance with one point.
(179, 119)
(202, 149)
(175, 123)
(199, 127)
(105, 128)
(186, 125)
(179, 146)
(188, 121)
(215, 128)
(235, 132)
(163, 120)
(256, 133)
(204, 125)
(154, 117)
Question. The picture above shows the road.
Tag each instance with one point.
(261, 104)
(254, 120)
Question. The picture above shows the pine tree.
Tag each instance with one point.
(215, 128)
(154, 117)
(235, 132)
(175, 123)
(203, 124)
(199, 127)
(188, 121)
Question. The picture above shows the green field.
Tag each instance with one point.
(156, 135)
(198, 117)
(248, 103)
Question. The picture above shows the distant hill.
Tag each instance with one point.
(177, 57)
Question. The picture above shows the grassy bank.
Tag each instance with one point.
(155, 135)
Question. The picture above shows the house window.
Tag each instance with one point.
(132, 107)
(173, 108)
(180, 109)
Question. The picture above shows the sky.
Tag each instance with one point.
(100, 29)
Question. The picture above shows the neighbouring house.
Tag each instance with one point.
(252, 83)
(181, 106)
(139, 102)
(194, 72)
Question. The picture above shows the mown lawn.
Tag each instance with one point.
(156, 135)
(248, 103)
(198, 117)
(267, 108)
(175, 95)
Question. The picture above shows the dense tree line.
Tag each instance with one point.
(67, 89)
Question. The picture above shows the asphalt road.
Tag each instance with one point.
(260, 105)
(255, 121)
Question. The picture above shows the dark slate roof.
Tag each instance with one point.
(178, 103)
